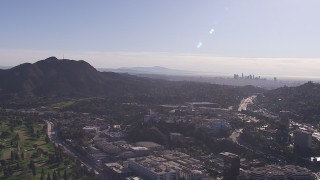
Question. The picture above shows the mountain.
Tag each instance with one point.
(149, 70)
(302, 101)
(53, 79)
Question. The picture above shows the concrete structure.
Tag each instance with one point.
(302, 139)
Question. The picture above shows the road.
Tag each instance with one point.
(245, 102)
(52, 134)
(235, 135)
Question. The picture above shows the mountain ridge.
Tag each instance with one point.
(148, 70)
(54, 78)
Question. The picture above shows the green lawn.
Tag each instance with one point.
(28, 144)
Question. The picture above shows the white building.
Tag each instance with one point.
(90, 129)
(152, 168)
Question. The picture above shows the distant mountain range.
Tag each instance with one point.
(148, 70)
(5, 67)
(53, 78)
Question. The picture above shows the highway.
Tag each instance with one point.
(245, 102)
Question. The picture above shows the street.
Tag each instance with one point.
(70, 151)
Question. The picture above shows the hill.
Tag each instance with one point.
(53, 79)
(302, 101)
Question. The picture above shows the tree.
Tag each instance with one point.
(65, 175)
(32, 167)
(17, 138)
(5, 171)
(22, 155)
(34, 171)
(10, 171)
(92, 173)
(54, 175)
(12, 155)
(47, 139)
(42, 175)
(38, 134)
(16, 156)
(58, 174)
(48, 176)
(18, 165)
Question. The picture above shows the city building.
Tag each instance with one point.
(168, 165)
(152, 168)
(288, 172)
(282, 134)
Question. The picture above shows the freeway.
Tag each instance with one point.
(52, 134)
(245, 102)
(235, 135)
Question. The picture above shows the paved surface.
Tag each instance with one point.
(235, 135)
(245, 102)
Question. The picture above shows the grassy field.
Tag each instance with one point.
(29, 144)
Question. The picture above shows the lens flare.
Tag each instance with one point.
(199, 45)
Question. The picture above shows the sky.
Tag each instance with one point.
(264, 37)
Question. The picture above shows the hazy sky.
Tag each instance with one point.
(276, 37)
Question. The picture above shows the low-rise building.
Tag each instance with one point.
(289, 172)
(117, 171)
(152, 168)
(152, 146)
(90, 129)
